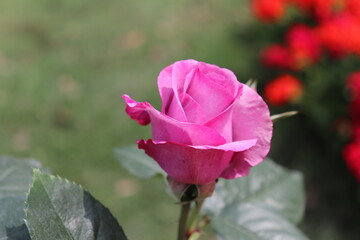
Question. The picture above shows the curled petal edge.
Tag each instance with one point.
(236, 146)
(166, 128)
(138, 111)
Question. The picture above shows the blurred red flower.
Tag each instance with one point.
(268, 10)
(321, 9)
(340, 34)
(353, 7)
(353, 85)
(283, 90)
(354, 111)
(355, 130)
(302, 49)
(304, 45)
(277, 56)
(351, 154)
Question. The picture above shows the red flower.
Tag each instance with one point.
(304, 45)
(277, 56)
(341, 34)
(351, 154)
(353, 84)
(321, 9)
(302, 49)
(283, 90)
(268, 10)
(353, 7)
(355, 130)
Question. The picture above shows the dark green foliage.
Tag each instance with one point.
(58, 209)
(15, 179)
(137, 162)
(264, 205)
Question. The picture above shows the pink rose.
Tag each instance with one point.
(210, 125)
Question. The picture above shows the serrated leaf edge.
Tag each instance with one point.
(26, 201)
(38, 172)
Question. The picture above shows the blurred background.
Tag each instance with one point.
(65, 64)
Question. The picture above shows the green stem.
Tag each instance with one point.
(203, 222)
(192, 225)
(185, 207)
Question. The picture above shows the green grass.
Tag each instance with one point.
(63, 68)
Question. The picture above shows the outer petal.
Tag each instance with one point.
(193, 164)
(238, 167)
(137, 111)
(165, 128)
(251, 119)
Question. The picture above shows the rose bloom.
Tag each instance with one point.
(304, 45)
(320, 9)
(210, 125)
(277, 56)
(302, 49)
(351, 154)
(353, 7)
(355, 130)
(340, 34)
(354, 110)
(268, 10)
(353, 84)
(283, 90)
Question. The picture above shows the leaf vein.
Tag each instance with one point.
(57, 215)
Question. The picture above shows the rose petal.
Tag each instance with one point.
(222, 76)
(197, 80)
(237, 146)
(251, 119)
(137, 111)
(171, 104)
(193, 164)
(170, 81)
(238, 167)
(194, 112)
(208, 82)
(223, 122)
(165, 128)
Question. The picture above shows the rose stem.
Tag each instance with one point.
(192, 225)
(185, 207)
(203, 222)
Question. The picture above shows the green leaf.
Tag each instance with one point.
(268, 186)
(137, 162)
(249, 222)
(58, 209)
(270, 190)
(15, 180)
(141, 165)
